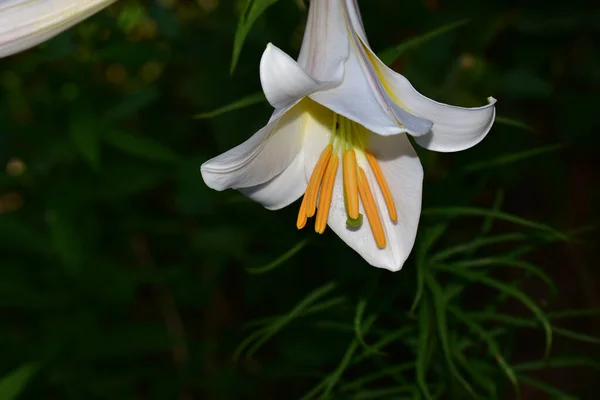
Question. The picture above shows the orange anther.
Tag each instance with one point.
(315, 181)
(326, 193)
(383, 186)
(370, 207)
(350, 182)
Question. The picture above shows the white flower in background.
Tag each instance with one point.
(27, 23)
(339, 104)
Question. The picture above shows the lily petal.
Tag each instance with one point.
(282, 190)
(325, 45)
(262, 157)
(454, 128)
(283, 80)
(26, 23)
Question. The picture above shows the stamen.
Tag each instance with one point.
(350, 182)
(326, 193)
(383, 186)
(315, 181)
(370, 207)
(301, 222)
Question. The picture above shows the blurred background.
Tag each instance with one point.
(123, 276)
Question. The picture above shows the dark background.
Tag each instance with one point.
(123, 276)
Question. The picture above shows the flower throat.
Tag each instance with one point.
(346, 140)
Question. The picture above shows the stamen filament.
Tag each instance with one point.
(315, 181)
(371, 209)
(326, 193)
(301, 222)
(383, 186)
(350, 182)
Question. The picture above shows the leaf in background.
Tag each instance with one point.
(14, 383)
(512, 157)
(472, 211)
(513, 122)
(390, 55)
(423, 348)
(132, 103)
(253, 10)
(250, 100)
(66, 239)
(83, 130)
(502, 287)
(426, 241)
(439, 305)
(140, 146)
(493, 347)
(280, 260)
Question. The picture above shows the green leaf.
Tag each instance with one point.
(508, 262)
(67, 241)
(551, 390)
(513, 122)
(427, 240)
(317, 308)
(522, 297)
(390, 55)
(562, 362)
(493, 347)
(280, 260)
(359, 382)
(475, 245)
(383, 393)
(512, 157)
(140, 146)
(481, 212)
(13, 384)
(439, 303)
(422, 365)
(284, 320)
(358, 325)
(247, 101)
(254, 9)
(83, 131)
(133, 103)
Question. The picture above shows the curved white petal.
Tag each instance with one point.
(454, 128)
(26, 23)
(325, 45)
(283, 80)
(262, 157)
(282, 190)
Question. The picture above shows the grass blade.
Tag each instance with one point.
(482, 212)
(280, 260)
(439, 305)
(390, 55)
(247, 101)
(522, 297)
(284, 320)
(512, 157)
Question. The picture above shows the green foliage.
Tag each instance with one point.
(123, 276)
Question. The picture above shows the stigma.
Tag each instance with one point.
(347, 144)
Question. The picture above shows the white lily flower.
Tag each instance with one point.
(340, 102)
(27, 23)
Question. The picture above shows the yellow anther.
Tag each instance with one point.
(383, 186)
(326, 193)
(370, 207)
(301, 222)
(315, 181)
(350, 182)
